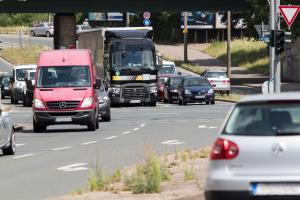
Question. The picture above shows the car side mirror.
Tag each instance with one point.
(98, 83)
(179, 73)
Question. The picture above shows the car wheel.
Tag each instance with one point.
(207, 102)
(179, 102)
(12, 100)
(11, 149)
(227, 92)
(37, 128)
(2, 96)
(92, 125)
(170, 101)
(107, 118)
(48, 34)
(153, 104)
(28, 101)
(184, 102)
(212, 102)
(32, 33)
(165, 100)
(24, 100)
(97, 122)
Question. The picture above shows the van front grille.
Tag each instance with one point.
(63, 104)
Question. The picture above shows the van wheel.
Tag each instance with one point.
(179, 102)
(37, 128)
(92, 124)
(48, 34)
(27, 101)
(11, 149)
(97, 122)
(13, 100)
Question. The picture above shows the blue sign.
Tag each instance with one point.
(147, 22)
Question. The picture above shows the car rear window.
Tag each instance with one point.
(193, 82)
(216, 75)
(265, 119)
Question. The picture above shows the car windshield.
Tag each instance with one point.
(20, 74)
(192, 82)
(6, 81)
(265, 119)
(175, 81)
(31, 75)
(63, 76)
(216, 75)
(167, 70)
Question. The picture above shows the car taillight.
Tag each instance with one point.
(226, 81)
(211, 81)
(224, 150)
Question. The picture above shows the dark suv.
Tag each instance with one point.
(5, 89)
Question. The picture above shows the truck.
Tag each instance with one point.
(126, 59)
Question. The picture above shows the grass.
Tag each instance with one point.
(13, 30)
(189, 173)
(231, 97)
(247, 53)
(25, 55)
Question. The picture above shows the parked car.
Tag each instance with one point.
(80, 28)
(171, 88)
(255, 155)
(161, 87)
(66, 90)
(219, 80)
(5, 90)
(43, 29)
(29, 87)
(7, 134)
(18, 82)
(104, 104)
(195, 90)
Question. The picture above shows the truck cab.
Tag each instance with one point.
(66, 90)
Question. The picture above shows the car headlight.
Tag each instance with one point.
(187, 92)
(18, 85)
(103, 99)
(211, 91)
(37, 103)
(116, 90)
(153, 89)
(87, 102)
(6, 88)
(174, 90)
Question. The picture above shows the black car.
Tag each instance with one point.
(171, 88)
(5, 89)
(195, 90)
(104, 104)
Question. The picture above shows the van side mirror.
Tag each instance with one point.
(98, 83)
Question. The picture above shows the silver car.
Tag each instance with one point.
(218, 79)
(256, 156)
(43, 29)
(7, 134)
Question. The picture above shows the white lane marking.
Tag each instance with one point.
(23, 156)
(176, 143)
(142, 125)
(213, 127)
(61, 148)
(73, 167)
(169, 141)
(91, 142)
(125, 133)
(18, 145)
(110, 138)
(136, 129)
(202, 126)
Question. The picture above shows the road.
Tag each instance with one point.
(9, 40)
(42, 166)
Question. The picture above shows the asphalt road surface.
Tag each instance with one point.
(57, 162)
(11, 40)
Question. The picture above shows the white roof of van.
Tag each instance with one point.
(33, 66)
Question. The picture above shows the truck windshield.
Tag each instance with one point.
(63, 76)
(133, 58)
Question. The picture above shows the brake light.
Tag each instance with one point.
(224, 150)
(211, 81)
(226, 81)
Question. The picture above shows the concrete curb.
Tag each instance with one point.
(228, 101)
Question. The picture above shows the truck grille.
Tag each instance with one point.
(140, 92)
(63, 104)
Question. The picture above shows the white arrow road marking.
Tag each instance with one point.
(202, 126)
(61, 148)
(18, 145)
(110, 138)
(142, 125)
(125, 133)
(91, 142)
(172, 142)
(73, 167)
(136, 129)
(23, 156)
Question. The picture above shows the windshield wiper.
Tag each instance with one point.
(280, 132)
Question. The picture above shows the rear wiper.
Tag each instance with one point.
(279, 132)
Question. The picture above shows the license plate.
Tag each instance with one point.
(200, 97)
(264, 189)
(63, 119)
(135, 101)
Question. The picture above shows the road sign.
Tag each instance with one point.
(289, 13)
(147, 22)
(146, 15)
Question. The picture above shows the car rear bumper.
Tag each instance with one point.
(71, 117)
(193, 99)
(243, 195)
(221, 88)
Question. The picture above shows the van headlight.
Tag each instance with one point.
(153, 89)
(211, 91)
(19, 85)
(37, 103)
(87, 102)
(116, 90)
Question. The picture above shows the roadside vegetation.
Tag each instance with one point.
(24, 55)
(248, 53)
(232, 97)
(14, 30)
(187, 66)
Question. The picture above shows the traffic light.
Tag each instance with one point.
(279, 42)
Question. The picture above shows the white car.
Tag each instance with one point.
(168, 68)
(43, 29)
(19, 82)
(218, 79)
(256, 155)
(7, 134)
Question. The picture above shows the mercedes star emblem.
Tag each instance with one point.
(62, 105)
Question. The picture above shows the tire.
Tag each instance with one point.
(11, 149)
(24, 100)
(184, 102)
(92, 125)
(48, 34)
(37, 128)
(227, 92)
(166, 101)
(179, 102)
(207, 102)
(106, 118)
(153, 104)
(27, 100)
(170, 101)
(13, 101)
(97, 122)
(212, 102)
(2, 96)
(32, 33)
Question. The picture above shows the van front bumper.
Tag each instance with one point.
(66, 117)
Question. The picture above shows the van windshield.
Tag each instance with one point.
(20, 74)
(63, 76)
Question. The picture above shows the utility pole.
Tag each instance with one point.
(272, 46)
(277, 63)
(185, 34)
(127, 19)
(229, 44)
